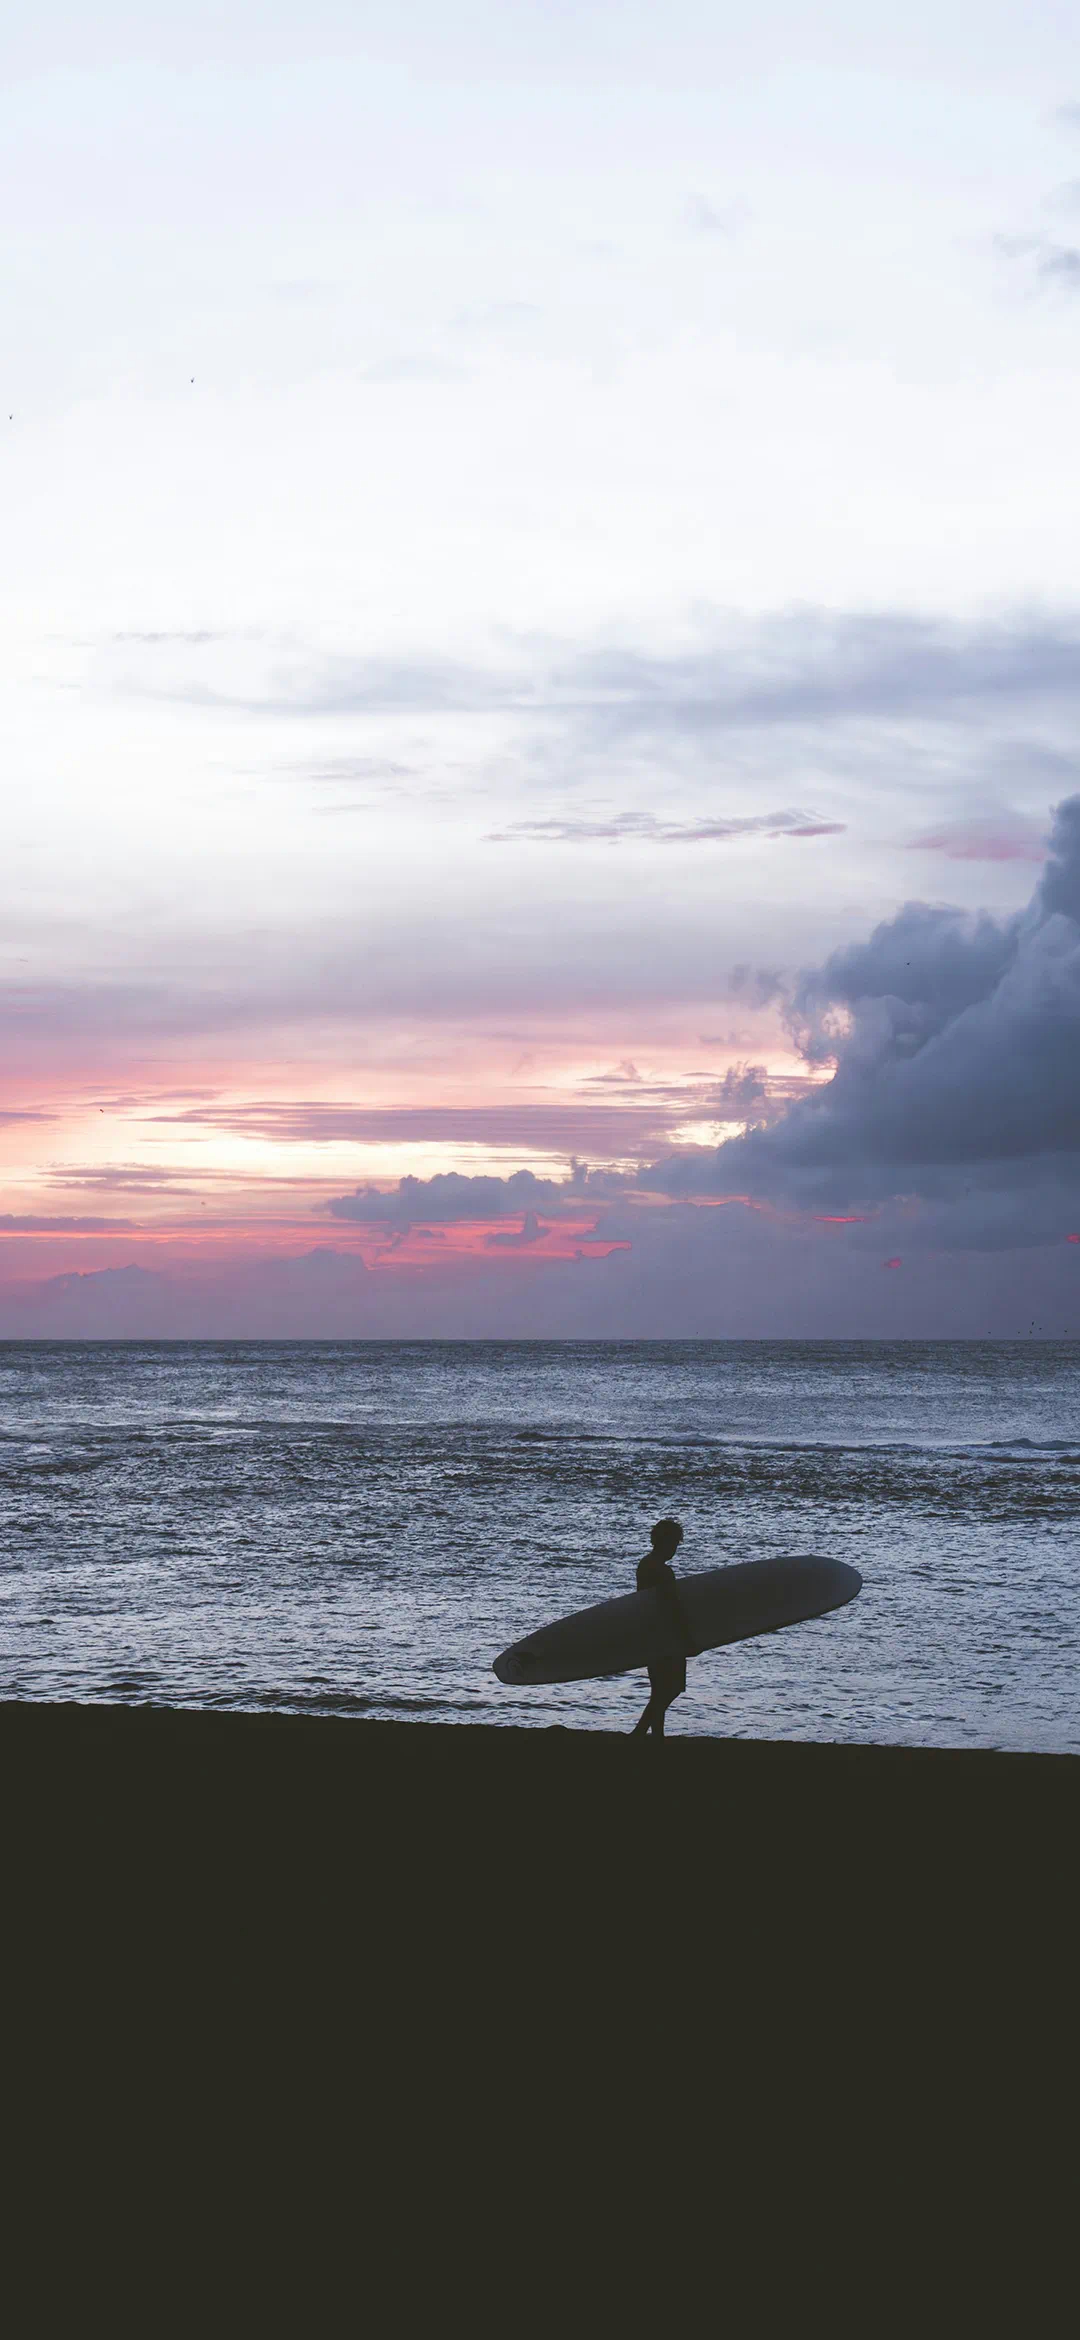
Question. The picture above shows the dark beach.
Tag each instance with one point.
(429, 2008)
(517, 1863)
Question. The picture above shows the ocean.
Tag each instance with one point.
(357, 1528)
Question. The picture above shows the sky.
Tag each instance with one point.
(539, 669)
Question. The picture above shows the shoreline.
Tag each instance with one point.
(34, 1719)
(20, 1714)
(474, 1809)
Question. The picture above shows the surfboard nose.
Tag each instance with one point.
(509, 1667)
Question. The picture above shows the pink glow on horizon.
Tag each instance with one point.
(33, 1253)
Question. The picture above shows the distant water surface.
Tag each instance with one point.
(358, 1528)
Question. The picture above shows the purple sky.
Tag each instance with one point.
(542, 670)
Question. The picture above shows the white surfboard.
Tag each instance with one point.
(720, 1605)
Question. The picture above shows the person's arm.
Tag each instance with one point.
(669, 1585)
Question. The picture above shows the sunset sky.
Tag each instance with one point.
(541, 668)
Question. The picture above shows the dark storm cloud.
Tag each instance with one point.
(743, 1087)
(952, 1117)
(956, 1042)
(931, 961)
(1060, 888)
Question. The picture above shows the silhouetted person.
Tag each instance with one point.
(667, 1676)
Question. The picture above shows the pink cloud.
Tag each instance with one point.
(993, 837)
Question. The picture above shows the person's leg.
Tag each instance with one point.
(662, 1707)
(645, 1721)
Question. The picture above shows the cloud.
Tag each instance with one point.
(755, 987)
(131, 1278)
(644, 825)
(745, 1092)
(990, 837)
(743, 1087)
(453, 1195)
(530, 1231)
(211, 1186)
(794, 713)
(443, 953)
(380, 773)
(702, 217)
(27, 1223)
(557, 1127)
(1065, 198)
(956, 1044)
(796, 666)
(1060, 888)
(777, 719)
(155, 1183)
(1060, 264)
(1049, 262)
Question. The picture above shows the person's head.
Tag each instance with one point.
(665, 1538)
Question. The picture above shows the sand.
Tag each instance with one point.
(468, 2018)
(393, 1837)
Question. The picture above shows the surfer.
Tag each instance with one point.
(667, 1675)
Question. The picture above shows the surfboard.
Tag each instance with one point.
(720, 1605)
